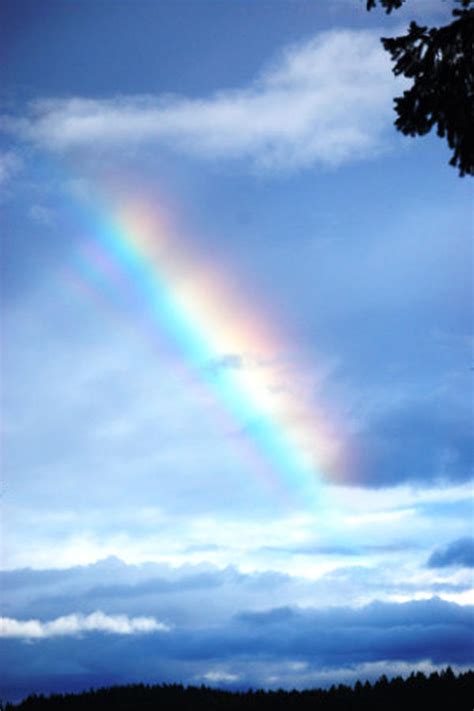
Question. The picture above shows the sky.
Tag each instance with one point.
(237, 351)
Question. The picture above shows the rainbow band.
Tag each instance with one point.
(135, 253)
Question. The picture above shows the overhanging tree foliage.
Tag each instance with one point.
(440, 61)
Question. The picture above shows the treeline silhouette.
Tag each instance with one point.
(442, 690)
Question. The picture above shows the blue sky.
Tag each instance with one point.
(269, 484)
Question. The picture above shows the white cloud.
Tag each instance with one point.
(10, 163)
(77, 624)
(325, 101)
(379, 517)
(42, 215)
(362, 500)
(215, 676)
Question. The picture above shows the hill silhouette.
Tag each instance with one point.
(440, 691)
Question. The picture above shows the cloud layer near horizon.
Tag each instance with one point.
(327, 101)
(222, 627)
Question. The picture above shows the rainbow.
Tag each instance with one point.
(136, 254)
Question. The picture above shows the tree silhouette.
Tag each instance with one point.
(440, 61)
(439, 691)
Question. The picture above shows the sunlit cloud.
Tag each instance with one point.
(216, 676)
(77, 624)
(327, 100)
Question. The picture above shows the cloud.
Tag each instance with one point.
(10, 164)
(459, 553)
(306, 545)
(42, 215)
(223, 627)
(349, 550)
(217, 676)
(229, 361)
(288, 645)
(415, 440)
(200, 596)
(326, 101)
(77, 624)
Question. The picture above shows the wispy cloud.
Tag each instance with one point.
(216, 676)
(78, 624)
(10, 163)
(41, 215)
(230, 361)
(327, 101)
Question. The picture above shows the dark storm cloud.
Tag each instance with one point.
(180, 593)
(191, 595)
(418, 442)
(459, 553)
(332, 638)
